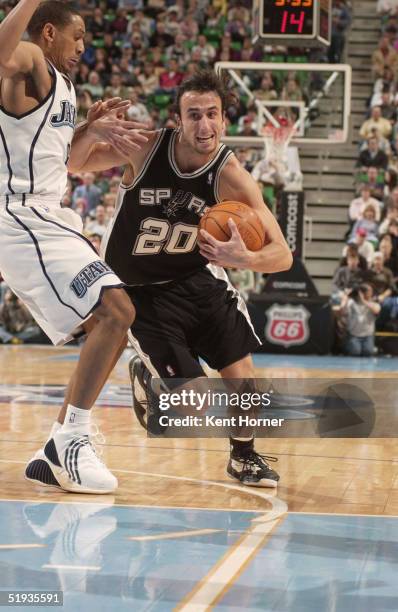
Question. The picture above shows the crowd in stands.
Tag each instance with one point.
(365, 286)
(142, 50)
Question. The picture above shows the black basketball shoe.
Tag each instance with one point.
(145, 399)
(252, 469)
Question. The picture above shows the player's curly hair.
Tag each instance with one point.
(205, 80)
(53, 11)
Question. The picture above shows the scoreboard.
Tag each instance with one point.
(293, 22)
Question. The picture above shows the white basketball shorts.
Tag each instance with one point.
(50, 265)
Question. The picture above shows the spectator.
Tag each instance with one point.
(172, 24)
(375, 181)
(17, 324)
(99, 224)
(382, 278)
(243, 281)
(247, 129)
(384, 57)
(178, 51)
(94, 86)
(137, 111)
(347, 276)
(97, 25)
(189, 27)
(375, 123)
(267, 89)
(365, 248)
(390, 257)
(393, 232)
(392, 213)
(341, 20)
(88, 57)
(116, 89)
(373, 155)
(291, 91)
(366, 223)
(161, 38)
(387, 106)
(90, 192)
(351, 250)
(120, 23)
(95, 240)
(358, 205)
(387, 7)
(206, 50)
(361, 312)
(149, 80)
(170, 79)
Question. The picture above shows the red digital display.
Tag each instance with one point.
(288, 17)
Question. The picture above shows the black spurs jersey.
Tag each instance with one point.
(152, 237)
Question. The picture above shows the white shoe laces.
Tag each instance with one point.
(94, 439)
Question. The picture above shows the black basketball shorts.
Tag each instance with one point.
(200, 316)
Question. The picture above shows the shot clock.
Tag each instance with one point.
(293, 22)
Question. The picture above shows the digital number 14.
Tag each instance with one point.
(298, 21)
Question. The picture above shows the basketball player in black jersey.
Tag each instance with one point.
(185, 306)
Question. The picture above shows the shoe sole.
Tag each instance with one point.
(39, 472)
(262, 484)
(140, 412)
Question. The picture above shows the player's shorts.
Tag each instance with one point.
(180, 321)
(50, 265)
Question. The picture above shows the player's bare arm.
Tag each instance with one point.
(237, 184)
(23, 69)
(105, 126)
(103, 156)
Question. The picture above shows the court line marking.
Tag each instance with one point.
(174, 534)
(12, 546)
(278, 507)
(210, 589)
(213, 450)
(92, 568)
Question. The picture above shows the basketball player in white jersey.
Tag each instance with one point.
(185, 306)
(44, 258)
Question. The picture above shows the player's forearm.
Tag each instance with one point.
(83, 142)
(275, 257)
(13, 28)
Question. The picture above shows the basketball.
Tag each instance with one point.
(248, 222)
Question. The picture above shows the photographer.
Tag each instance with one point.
(361, 313)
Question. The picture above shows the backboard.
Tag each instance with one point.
(317, 97)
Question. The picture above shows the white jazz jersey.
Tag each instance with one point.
(44, 257)
(34, 147)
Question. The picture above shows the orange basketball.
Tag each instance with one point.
(248, 222)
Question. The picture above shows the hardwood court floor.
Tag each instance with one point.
(335, 476)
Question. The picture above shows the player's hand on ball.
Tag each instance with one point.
(230, 254)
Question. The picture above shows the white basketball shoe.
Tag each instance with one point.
(70, 462)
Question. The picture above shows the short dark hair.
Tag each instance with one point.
(53, 11)
(206, 81)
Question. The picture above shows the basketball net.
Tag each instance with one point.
(277, 139)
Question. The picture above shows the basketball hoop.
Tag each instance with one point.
(276, 140)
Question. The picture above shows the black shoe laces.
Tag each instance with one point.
(254, 458)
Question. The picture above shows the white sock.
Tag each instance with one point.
(77, 420)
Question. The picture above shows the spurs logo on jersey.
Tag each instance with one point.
(28, 165)
(66, 116)
(172, 204)
(153, 235)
